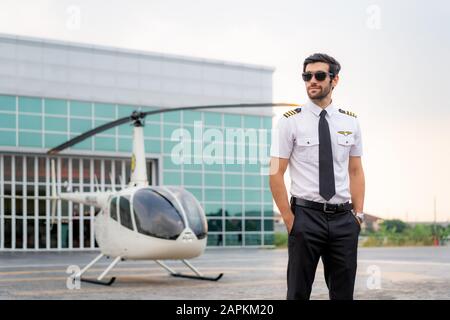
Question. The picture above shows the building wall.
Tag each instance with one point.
(49, 68)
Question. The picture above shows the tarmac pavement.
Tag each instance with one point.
(383, 273)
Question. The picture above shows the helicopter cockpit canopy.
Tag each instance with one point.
(157, 213)
(192, 208)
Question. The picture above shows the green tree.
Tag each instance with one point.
(394, 226)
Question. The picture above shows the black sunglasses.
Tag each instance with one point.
(319, 75)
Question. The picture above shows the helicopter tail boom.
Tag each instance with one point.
(96, 199)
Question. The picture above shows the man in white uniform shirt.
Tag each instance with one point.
(322, 145)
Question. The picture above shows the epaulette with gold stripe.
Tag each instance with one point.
(349, 113)
(292, 112)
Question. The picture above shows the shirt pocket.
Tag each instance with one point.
(307, 149)
(343, 148)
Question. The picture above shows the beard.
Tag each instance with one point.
(321, 94)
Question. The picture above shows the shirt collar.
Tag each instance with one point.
(314, 108)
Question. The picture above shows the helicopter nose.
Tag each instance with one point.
(188, 236)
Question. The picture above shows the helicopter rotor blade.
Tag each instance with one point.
(221, 106)
(89, 134)
(137, 115)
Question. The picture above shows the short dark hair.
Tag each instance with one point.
(334, 65)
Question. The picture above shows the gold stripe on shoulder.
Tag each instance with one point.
(292, 112)
(349, 113)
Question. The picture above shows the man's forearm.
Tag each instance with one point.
(279, 193)
(357, 189)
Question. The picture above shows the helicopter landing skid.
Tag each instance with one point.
(103, 283)
(180, 275)
(99, 279)
(197, 276)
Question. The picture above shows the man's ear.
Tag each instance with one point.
(335, 81)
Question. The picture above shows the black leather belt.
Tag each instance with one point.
(324, 207)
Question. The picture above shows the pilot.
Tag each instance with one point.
(322, 145)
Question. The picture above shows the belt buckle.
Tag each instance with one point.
(325, 209)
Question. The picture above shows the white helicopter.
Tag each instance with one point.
(142, 222)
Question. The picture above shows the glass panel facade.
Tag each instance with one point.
(233, 192)
(55, 107)
(80, 109)
(30, 105)
(30, 122)
(8, 121)
(7, 103)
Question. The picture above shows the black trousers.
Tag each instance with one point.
(332, 237)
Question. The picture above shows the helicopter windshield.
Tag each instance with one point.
(194, 212)
(156, 216)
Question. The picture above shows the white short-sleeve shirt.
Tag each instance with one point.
(297, 139)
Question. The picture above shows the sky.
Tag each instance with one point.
(394, 56)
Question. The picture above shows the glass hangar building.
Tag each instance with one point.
(51, 91)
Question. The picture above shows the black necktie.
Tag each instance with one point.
(326, 172)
